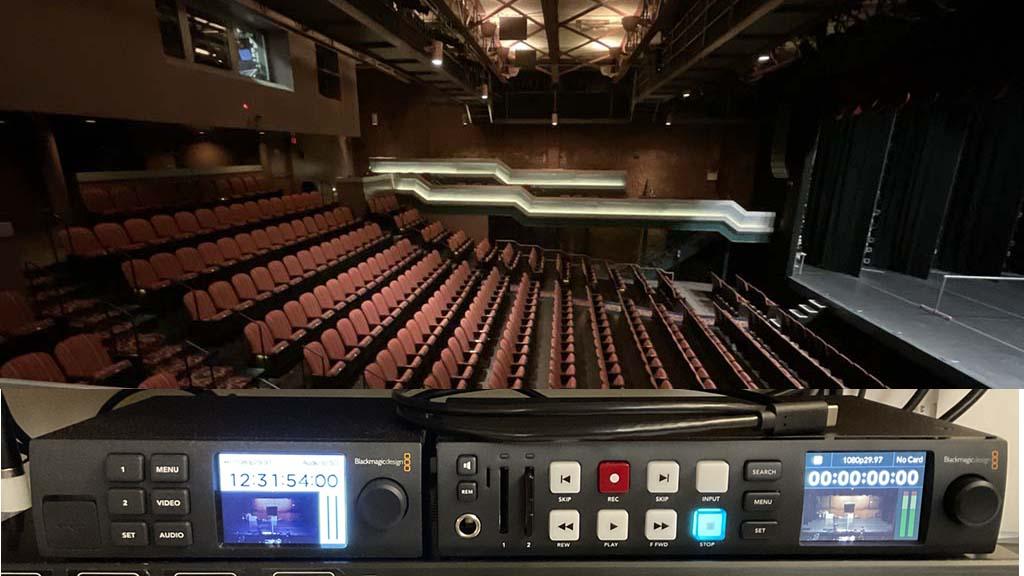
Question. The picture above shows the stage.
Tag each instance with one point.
(981, 343)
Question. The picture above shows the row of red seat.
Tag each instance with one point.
(458, 242)
(667, 288)
(348, 342)
(726, 372)
(512, 356)
(137, 234)
(839, 366)
(432, 232)
(796, 360)
(395, 367)
(82, 358)
(769, 370)
(609, 371)
(616, 278)
(382, 203)
(206, 259)
(302, 320)
(408, 219)
(123, 196)
(221, 299)
(17, 318)
(562, 366)
(535, 261)
(656, 375)
(484, 252)
(510, 257)
(691, 372)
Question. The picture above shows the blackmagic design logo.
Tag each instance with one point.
(378, 462)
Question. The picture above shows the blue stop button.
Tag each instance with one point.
(708, 525)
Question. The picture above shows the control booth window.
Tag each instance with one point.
(328, 73)
(209, 41)
(252, 54)
(170, 28)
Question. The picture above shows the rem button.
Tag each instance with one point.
(761, 530)
(467, 491)
(129, 533)
(168, 468)
(172, 534)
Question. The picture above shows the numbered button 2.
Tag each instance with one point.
(126, 501)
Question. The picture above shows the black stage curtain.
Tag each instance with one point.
(916, 185)
(988, 191)
(851, 151)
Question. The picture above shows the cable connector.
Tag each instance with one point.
(800, 418)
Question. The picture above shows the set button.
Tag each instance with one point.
(129, 533)
(758, 530)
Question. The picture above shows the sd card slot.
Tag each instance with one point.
(528, 501)
(503, 500)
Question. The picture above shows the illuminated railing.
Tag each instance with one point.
(723, 216)
(567, 179)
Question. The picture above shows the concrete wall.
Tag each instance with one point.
(104, 58)
(675, 159)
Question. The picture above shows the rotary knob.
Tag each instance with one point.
(972, 500)
(382, 504)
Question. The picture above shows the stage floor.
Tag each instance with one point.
(982, 344)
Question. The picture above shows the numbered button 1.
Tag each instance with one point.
(126, 501)
(124, 467)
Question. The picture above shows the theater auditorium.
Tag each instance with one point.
(529, 194)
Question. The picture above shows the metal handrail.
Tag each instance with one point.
(946, 277)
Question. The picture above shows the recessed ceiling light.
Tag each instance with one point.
(687, 94)
(90, 121)
(763, 58)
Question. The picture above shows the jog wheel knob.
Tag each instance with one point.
(972, 500)
(382, 504)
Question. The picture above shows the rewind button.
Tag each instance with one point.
(564, 525)
(660, 525)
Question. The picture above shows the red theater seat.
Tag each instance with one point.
(17, 317)
(37, 366)
(84, 356)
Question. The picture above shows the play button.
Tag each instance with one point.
(612, 525)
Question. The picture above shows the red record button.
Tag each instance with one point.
(613, 477)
